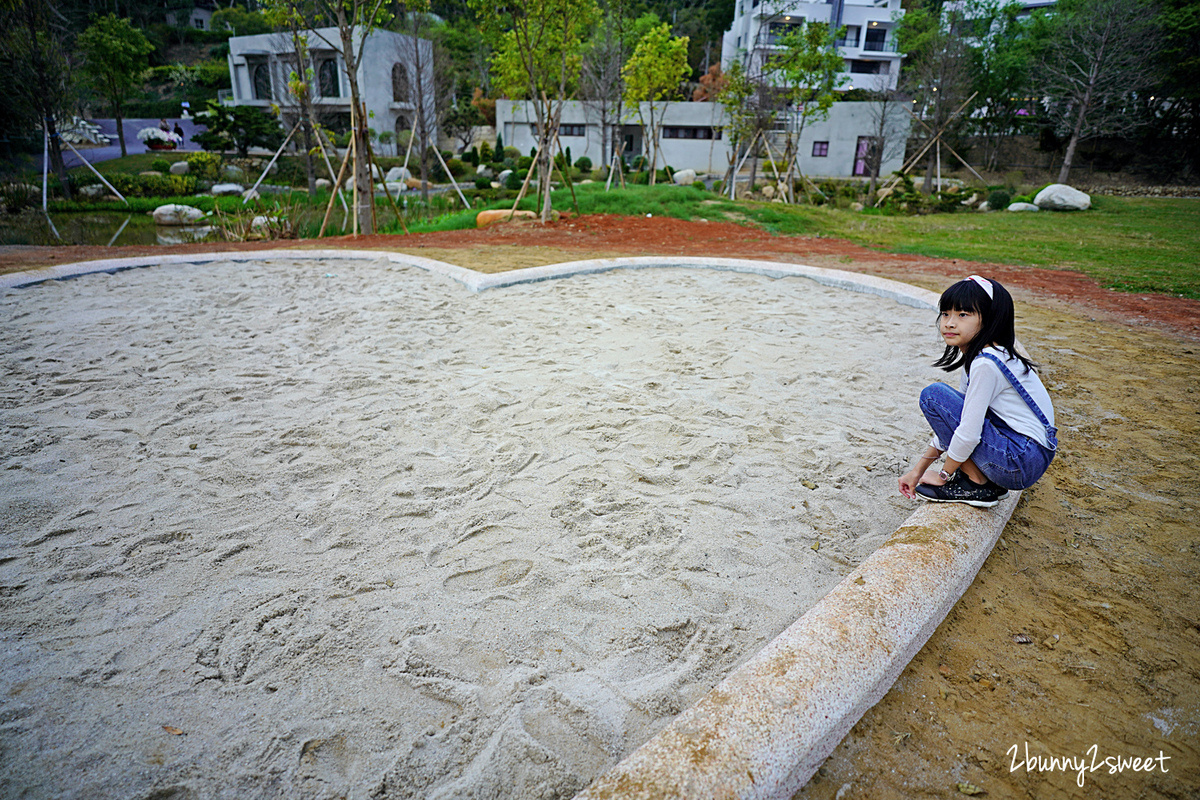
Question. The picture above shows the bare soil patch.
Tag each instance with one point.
(1083, 627)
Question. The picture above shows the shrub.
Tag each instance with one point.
(584, 164)
(152, 185)
(486, 154)
(718, 186)
(510, 152)
(471, 157)
(482, 183)
(160, 165)
(515, 179)
(998, 199)
(203, 166)
(699, 185)
(524, 162)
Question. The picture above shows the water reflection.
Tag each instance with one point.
(99, 228)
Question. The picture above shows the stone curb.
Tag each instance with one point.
(765, 729)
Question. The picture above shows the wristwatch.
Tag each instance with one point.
(944, 475)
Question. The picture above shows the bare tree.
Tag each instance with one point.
(422, 88)
(1103, 54)
(890, 124)
(601, 89)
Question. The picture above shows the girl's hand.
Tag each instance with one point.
(908, 484)
(910, 480)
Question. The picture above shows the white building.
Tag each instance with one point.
(693, 137)
(395, 73)
(872, 60)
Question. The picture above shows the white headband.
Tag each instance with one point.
(984, 282)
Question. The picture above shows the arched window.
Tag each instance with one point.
(261, 77)
(327, 78)
(400, 91)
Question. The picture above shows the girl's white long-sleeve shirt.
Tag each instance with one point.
(986, 387)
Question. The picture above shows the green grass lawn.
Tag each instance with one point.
(1128, 244)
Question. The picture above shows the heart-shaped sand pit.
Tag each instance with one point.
(348, 526)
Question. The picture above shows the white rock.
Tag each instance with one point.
(262, 221)
(1023, 207)
(250, 194)
(323, 184)
(856, 206)
(685, 177)
(395, 187)
(1060, 197)
(397, 174)
(94, 192)
(180, 168)
(220, 189)
(984, 206)
(175, 214)
(484, 171)
(503, 176)
(232, 171)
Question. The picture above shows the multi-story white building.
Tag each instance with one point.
(693, 136)
(872, 60)
(395, 74)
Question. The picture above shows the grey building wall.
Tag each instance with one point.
(382, 52)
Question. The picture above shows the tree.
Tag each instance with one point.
(240, 22)
(808, 69)
(426, 86)
(1175, 102)
(748, 113)
(938, 72)
(114, 59)
(652, 77)
(354, 21)
(538, 54)
(890, 125)
(1103, 53)
(460, 122)
(236, 127)
(37, 71)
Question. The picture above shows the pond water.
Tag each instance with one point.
(98, 228)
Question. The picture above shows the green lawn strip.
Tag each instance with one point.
(1129, 244)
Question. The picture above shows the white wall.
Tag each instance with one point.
(846, 123)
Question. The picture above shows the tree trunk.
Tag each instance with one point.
(120, 130)
(56, 159)
(362, 171)
(930, 167)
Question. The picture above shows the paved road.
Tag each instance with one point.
(132, 145)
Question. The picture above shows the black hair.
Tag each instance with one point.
(997, 323)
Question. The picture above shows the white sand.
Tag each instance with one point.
(358, 532)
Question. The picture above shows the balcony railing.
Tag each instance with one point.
(880, 47)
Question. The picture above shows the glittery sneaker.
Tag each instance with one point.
(959, 489)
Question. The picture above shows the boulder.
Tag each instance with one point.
(180, 168)
(413, 183)
(768, 191)
(856, 206)
(397, 175)
(93, 192)
(232, 172)
(175, 214)
(262, 221)
(324, 184)
(503, 176)
(1023, 207)
(484, 171)
(486, 218)
(971, 201)
(250, 194)
(394, 187)
(984, 206)
(220, 189)
(151, 173)
(685, 177)
(1060, 197)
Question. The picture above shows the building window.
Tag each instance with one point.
(820, 149)
(327, 78)
(691, 132)
(866, 156)
(570, 129)
(869, 67)
(260, 79)
(400, 88)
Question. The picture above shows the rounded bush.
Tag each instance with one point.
(584, 164)
(998, 199)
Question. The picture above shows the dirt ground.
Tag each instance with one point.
(1080, 638)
